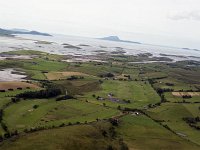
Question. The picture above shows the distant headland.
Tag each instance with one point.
(117, 39)
(11, 32)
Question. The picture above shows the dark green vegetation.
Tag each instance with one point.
(101, 105)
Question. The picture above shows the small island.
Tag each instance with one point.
(117, 39)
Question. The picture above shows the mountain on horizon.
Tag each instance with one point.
(6, 32)
(117, 39)
(19, 30)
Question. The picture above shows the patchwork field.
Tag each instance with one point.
(178, 98)
(108, 105)
(137, 132)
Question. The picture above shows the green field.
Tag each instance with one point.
(140, 132)
(97, 106)
(172, 115)
(76, 137)
(139, 93)
(137, 132)
(53, 113)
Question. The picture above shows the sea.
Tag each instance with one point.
(92, 46)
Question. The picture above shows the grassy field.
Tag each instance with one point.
(44, 65)
(178, 85)
(3, 101)
(140, 132)
(98, 97)
(77, 137)
(51, 112)
(172, 115)
(92, 69)
(137, 132)
(139, 93)
(80, 86)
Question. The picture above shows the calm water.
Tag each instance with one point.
(90, 46)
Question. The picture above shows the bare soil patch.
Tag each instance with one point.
(180, 94)
(15, 84)
(62, 75)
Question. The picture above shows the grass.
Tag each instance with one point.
(178, 85)
(140, 132)
(170, 97)
(35, 75)
(77, 137)
(51, 113)
(139, 93)
(44, 65)
(92, 69)
(4, 101)
(78, 87)
(13, 93)
(172, 115)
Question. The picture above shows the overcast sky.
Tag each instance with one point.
(168, 22)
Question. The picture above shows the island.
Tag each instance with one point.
(117, 39)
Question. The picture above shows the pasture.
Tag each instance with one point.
(101, 90)
(172, 114)
(53, 113)
(140, 132)
(139, 94)
(76, 137)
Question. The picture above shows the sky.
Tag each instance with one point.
(161, 22)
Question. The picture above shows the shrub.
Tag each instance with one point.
(52, 92)
(64, 97)
(35, 106)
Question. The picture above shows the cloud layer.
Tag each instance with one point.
(192, 15)
(97, 18)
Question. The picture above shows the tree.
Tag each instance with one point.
(35, 106)
(119, 107)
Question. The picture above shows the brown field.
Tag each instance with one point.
(62, 75)
(16, 84)
(122, 76)
(186, 93)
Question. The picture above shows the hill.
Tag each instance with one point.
(6, 32)
(117, 39)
